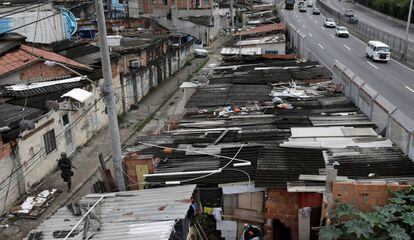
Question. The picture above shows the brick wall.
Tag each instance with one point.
(364, 195)
(40, 71)
(5, 150)
(284, 206)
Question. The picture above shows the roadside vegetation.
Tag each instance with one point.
(395, 8)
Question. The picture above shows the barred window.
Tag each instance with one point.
(50, 141)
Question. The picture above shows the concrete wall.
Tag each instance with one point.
(8, 165)
(391, 122)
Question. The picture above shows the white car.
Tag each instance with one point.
(200, 52)
(378, 51)
(329, 22)
(342, 32)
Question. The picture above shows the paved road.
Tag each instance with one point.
(392, 80)
(372, 19)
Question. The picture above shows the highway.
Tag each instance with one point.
(392, 80)
(372, 19)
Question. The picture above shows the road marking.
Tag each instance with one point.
(372, 65)
(321, 46)
(336, 60)
(409, 88)
(322, 28)
(347, 47)
(304, 26)
(310, 34)
(402, 65)
(332, 35)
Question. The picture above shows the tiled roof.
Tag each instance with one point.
(26, 55)
(269, 28)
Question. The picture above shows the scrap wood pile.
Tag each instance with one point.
(34, 205)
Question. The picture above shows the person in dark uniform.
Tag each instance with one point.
(65, 165)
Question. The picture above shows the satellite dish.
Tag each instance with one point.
(26, 125)
(52, 105)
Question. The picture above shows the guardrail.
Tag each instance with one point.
(366, 32)
(391, 121)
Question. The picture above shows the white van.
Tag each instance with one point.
(310, 3)
(378, 51)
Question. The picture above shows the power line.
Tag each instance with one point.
(25, 9)
(30, 23)
(58, 137)
(31, 166)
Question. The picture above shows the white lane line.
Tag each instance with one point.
(322, 28)
(304, 26)
(310, 34)
(409, 88)
(402, 65)
(372, 65)
(347, 47)
(332, 35)
(321, 46)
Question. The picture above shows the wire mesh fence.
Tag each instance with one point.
(367, 32)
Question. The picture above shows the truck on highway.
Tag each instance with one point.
(289, 4)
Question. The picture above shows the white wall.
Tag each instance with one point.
(45, 31)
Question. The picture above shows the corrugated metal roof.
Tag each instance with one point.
(149, 214)
(242, 51)
(263, 29)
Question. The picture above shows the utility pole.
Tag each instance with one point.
(407, 29)
(331, 174)
(232, 16)
(109, 96)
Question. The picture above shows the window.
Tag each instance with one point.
(78, 106)
(165, 2)
(271, 52)
(65, 119)
(206, 3)
(50, 141)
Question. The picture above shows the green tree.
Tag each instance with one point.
(393, 221)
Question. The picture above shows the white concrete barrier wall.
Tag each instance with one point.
(397, 126)
(398, 135)
(380, 117)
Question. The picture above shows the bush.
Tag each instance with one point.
(392, 221)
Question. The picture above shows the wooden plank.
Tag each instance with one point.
(247, 216)
(322, 178)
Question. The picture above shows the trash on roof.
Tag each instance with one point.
(34, 205)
